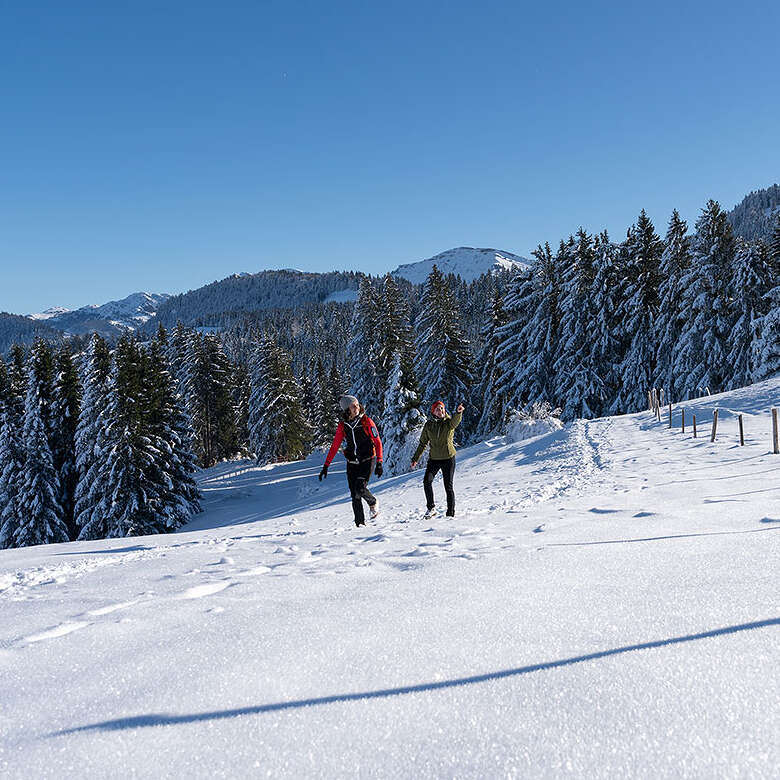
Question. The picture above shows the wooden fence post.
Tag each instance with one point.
(683, 420)
(741, 433)
(670, 414)
(714, 425)
(649, 400)
(776, 446)
(662, 396)
(694, 426)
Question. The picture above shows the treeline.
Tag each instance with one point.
(102, 450)
(596, 324)
(101, 440)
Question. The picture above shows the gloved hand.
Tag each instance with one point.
(378, 469)
(324, 473)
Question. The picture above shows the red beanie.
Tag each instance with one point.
(437, 403)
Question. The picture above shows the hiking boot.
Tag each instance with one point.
(374, 510)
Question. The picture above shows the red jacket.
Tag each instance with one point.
(361, 440)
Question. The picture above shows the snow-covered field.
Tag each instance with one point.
(605, 604)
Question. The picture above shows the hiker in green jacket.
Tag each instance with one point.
(439, 432)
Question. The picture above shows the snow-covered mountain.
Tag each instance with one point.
(467, 262)
(54, 311)
(109, 318)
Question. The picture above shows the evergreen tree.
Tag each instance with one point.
(488, 396)
(11, 477)
(669, 324)
(766, 347)
(638, 314)
(278, 427)
(579, 385)
(403, 420)
(90, 431)
(41, 367)
(443, 357)
(750, 282)
(126, 500)
(66, 404)
(367, 377)
(701, 358)
(17, 377)
(207, 387)
(5, 386)
(167, 428)
(40, 519)
(606, 296)
(766, 344)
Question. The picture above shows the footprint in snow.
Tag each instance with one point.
(199, 591)
(112, 608)
(61, 630)
(256, 572)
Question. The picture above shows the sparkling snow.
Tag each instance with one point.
(605, 604)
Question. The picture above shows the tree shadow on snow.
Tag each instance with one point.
(160, 719)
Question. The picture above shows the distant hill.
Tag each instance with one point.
(16, 329)
(257, 292)
(756, 216)
(467, 262)
(108, 319)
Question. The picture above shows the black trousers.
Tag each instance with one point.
(447, 468)
(358, 475)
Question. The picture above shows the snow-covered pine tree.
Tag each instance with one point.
(40, 518)
(403, 420)
(207, 388)
(40, 365)
(167, 426)
(579, 386)
(766, 346)
(672, 298)
(606, 292)
(66, 405)
(529, 340)
(126, 499)
(17, 377)
(488, 399)
(90, 430)
(11, 475)
(5, 385)
(639, 307)
(749, 286)
(278, 428)
(443, 364)
(317, 400)
(367, 381)
(701, 358)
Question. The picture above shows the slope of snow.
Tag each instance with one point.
(464, 261)
(342, 296)
(605, 604)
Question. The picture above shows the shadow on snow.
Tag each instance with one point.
(158, 719)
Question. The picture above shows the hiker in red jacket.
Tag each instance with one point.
(363, 451)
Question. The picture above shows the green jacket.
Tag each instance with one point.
(439, 434)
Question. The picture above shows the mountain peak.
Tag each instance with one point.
(465, 261)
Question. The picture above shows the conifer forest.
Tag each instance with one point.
(103, 437)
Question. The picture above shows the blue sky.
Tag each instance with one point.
(160, 146)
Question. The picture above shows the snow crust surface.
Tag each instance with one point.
(605, 604)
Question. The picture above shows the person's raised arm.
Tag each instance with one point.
(457, 417)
